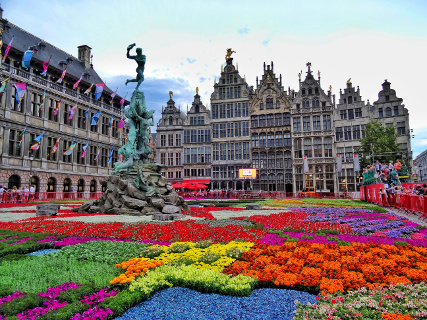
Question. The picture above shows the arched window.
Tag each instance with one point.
(287, 138)
(307, 148)
(14, 181)
(277, 104)
(270, 139)
(316, 102)
(170, 121)
(93, 185)
(254, 140)
(66, 186)
(262, 140)
(255, 160)
(388, 112)
(35, 182)
(310, 91)
(396, 110)
(51, 185)
(303, 91)
(306, 104)
(288, 160)
(316, 90)
(350, 100)
(271, 160)
(80, 185)
(279, 140)
(197, 109)
(279, 160)
(254, 121)
(263, 160)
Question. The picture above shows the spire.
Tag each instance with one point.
(308, 64)
(187, 108)
(222, 68)
(214, 80)
(244, 78)
(237, 66)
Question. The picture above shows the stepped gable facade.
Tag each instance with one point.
(48, 170)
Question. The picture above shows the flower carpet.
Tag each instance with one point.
(331, 260)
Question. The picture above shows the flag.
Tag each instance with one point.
(20, 91)
(121, 124)
(77, 83)
(62, 75)
(58, 105)
(98, 90)
(45, 66)
(43, 101)
(86, 114)
(22, 135)
(35, 146)
(26, 59)
(4, 85)
(95, 118)
(111, 122)
(70, 149)
(84, 149)
(356, 163)
(122, 102)
(89, 89)
(120, 158)
(72, 110)
(39, 138)
(113, 95)
(55, 147)
(7, 51)
(339, 162)
(97, 154)
(305, 161)
(110, 156)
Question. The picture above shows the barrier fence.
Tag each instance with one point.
(407, 203)
(22, 197)
(268, 195)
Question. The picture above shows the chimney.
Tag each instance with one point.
(84, 55)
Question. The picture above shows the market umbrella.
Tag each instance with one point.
(200, 186)
(177, 186)
(188, 186)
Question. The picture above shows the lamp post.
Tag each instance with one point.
(31, 166)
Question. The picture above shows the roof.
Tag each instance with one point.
(23, 40)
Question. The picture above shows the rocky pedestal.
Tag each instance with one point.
(158, 199)
(47, 210)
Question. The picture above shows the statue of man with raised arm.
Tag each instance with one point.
(140, 60)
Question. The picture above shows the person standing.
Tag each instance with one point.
(32, 192)
(25, 195)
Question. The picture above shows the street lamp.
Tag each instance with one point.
(31, 166)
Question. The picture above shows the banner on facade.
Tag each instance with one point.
(339, 163)
(356, 163)
(305, 162)
(247, 173)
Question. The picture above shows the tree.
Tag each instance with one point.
(379, 143)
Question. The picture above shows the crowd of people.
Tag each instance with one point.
(17, 195)
(385, 173)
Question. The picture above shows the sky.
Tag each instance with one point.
(185, 44)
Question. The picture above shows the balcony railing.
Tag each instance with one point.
(60, 88)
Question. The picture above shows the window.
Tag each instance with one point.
(238, 147)
(237, 92)
(35, 103)
(261, 106)
(401, 128)
(223, 151)
(327, 122)
(303, 92)
(358, 112)
(178, 174)
(348, 154)
(279, 160)
(396, 110)
(317, 146)
(215, 152)
(343, 114)
(178, 140)
(262, 120)
(270, 120)
(363, 130)
(316, 123)
(263, 160)
(93, 128)
(14, 104)
(163, 158)
(288, 160)
(222, 132)
(298, 149)
(387, 98)
(279, 139)
(328, 147)
(81, 119)
(297, 125)
(350, 114)
(255, 160)
(339, 134)
(271, 160)
(306, 104)
(170, 159)
(104, 125)
(270, 139)
(277, 119)
(269, 102)
(222, 93)
(254, 121)
(65, 145)
(350, 100)
(347, 133)
(380, 112)
(307, 148)
(215, 111)
(310, 91)
(50, 144)
(388, 112)
(230, 130)
(170, 139)
(277, 104)
(287, 139)
(163, 140)
(170, 174)
(315, 103)
(245, 129)
(262, 140)
(92, 154)
(254, 140)
(14, 145)
(230, 110)
(230, 151)
(229, 93)
(79, 159)
(215, 132)
(51, 111)
(306, 123)
(356, 132)
(245, 109)
(222, 111)
(287, 119)
(237, 109)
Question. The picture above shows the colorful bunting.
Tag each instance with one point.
(95, 118)
(62, 75)
(122, 102)
(35, 146)
(97, 154)
(113, 95)
(22, 135)
(55, 147)
(86, 114)
(77, 83)
(70, 149)
(110, 124)
(89, 89)
(26, 59)
(84, 149)
(45, 66)
(20, 91)
(43, 101)
(7, 51)
(121, 124)
(110, 156)
(72, 110)
(4, 85)
(38, 138)
(58, 105)
(98, 90)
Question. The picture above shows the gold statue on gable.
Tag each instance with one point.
(349, 80)
(170, 95)
(229, 53)
(268, 78)
(308, 64)
(197, 90)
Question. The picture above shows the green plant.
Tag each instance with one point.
(209, 257)
(332, 238)
(18, 305)
(203, 244)
(179, 247)
(293, 230)
(290, 239)
(234, 252)
(400, 243)
(182, 261)
(152, 252)
(306, 236)
(344, 243)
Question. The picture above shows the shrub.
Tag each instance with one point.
(152, 252)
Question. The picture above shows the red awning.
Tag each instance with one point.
(201, 181)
